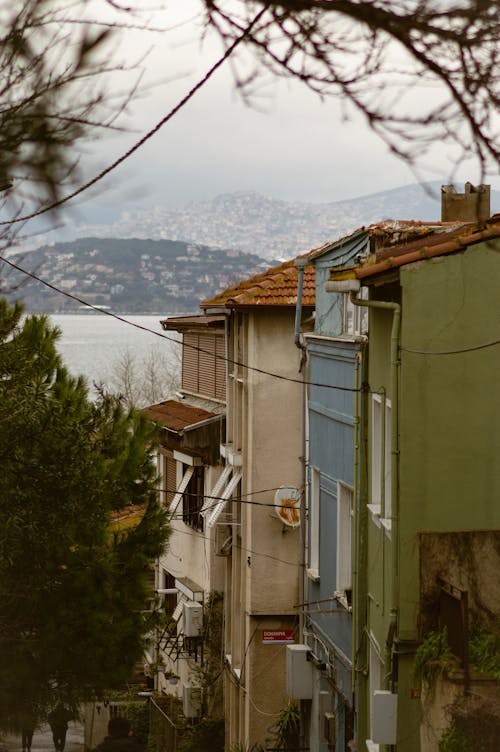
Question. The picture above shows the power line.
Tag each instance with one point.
(253, 369)
(241, 499)
(242, 548)
(147, 136)
(472, 348)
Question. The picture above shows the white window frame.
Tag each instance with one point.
(314, 522)
(211, 499)
(354, 317)
(180, 490)
(216, 511)
(381, 436)
(345, 502)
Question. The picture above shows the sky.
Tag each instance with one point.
(288, 145)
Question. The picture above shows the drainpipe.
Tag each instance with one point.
(301, 264)
(352, 286)
(395, 334)
(354, 560)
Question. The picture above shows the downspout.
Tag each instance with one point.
(394, 357)
(354, 562)
(300, 265)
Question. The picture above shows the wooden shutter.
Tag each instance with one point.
(220, 368)
(190, 363)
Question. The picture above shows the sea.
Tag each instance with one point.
(94, 344)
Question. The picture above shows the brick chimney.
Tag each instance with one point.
(471, 206)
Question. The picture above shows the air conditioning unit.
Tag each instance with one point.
(191, 701)
(223, 540)
(193, 618)
(385, 717)
(299, 677)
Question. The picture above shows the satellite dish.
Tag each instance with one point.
(287, 505)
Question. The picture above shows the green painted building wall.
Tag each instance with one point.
(449, 436)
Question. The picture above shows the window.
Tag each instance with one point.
(224, 497)
(381, 460)
(170, 599)
(192, 498)
(314, 495)
(344, 537)
(204, 365)
(188, 474)
(355, 318)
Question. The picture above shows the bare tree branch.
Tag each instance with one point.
(422, 72)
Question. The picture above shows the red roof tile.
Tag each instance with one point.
(435, 240)
(275, 287)
(177, 415)
(437, 245)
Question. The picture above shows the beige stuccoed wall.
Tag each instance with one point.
(272, 458)
(265, 571)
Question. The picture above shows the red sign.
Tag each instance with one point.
(277, 636)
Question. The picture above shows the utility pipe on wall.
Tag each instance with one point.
(352, 286)
(301, 264)
(394, 357)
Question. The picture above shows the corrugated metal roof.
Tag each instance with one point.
(274, 287)
(177, 416)
(183, 323)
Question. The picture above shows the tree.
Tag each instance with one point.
(141, 383)
(73, 585)
(54, 68)
(422, 72)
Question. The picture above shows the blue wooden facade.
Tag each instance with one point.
(328, 625)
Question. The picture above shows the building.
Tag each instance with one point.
(336, 356)
(189, 575)
(264, 473)
(429, 482)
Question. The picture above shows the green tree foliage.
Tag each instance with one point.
(73, 587)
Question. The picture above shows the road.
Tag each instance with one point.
(42, 740)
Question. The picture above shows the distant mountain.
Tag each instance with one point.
(273, 228)
(128, 275)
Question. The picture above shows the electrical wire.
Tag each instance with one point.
(143, 328)
(472, 348)
(56, 204)
(243, 549)
(240, 499)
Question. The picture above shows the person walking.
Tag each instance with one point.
(58, 722)
(27, 731)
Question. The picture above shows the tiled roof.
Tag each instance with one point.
(177, 416)
(465, 235)
(387, 233)
(274, 287)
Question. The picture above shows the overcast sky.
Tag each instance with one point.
(290, 145)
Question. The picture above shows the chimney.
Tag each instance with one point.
(471, 206)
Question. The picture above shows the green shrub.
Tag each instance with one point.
(431, 657)
(484, 653)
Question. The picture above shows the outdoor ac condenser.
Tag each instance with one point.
(299, 684)
(191, 701)
(193, 619)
